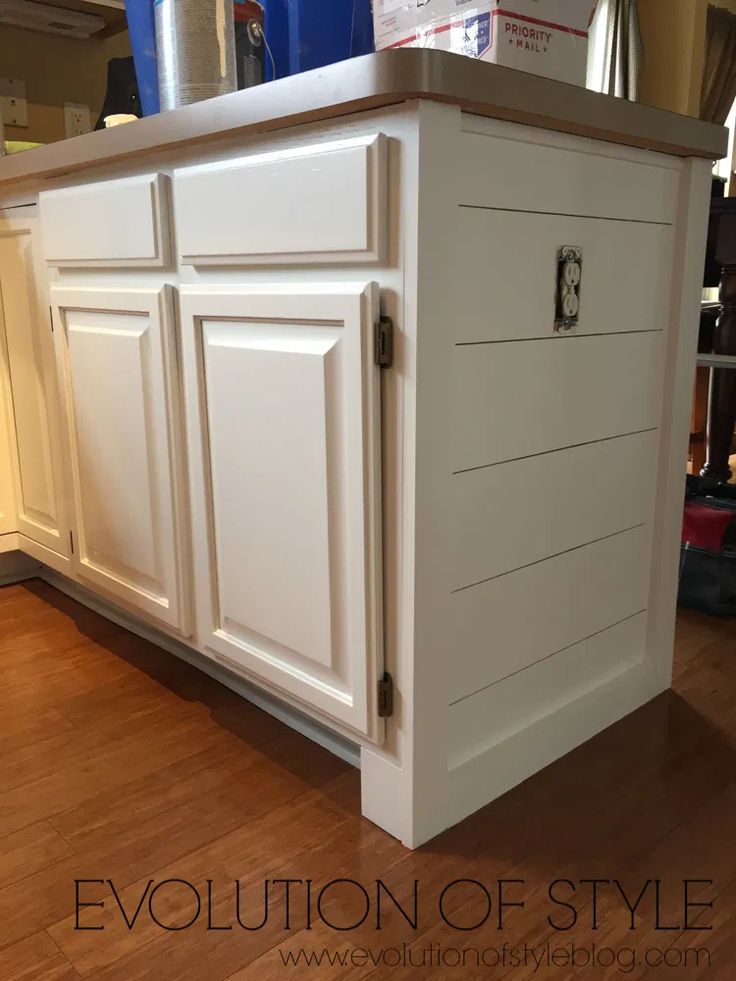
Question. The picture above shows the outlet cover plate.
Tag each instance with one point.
(76, 119)
(13, 106)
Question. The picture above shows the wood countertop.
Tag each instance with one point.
(375, 81)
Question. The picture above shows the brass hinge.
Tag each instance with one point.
(386, 696)
(383, 351)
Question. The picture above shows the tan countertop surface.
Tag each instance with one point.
(374, 81)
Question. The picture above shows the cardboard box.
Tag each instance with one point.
(545, 37)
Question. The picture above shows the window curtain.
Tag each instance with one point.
(719, 73)
(615, 49)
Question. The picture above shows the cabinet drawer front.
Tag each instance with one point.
(522, 169)
(310, 204)
(517, 513)
(283, 415)
(112, 223)
(516, 399)
(507, 279)
(116, 355)
(509, 623)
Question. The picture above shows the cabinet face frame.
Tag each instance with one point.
(52, 535)
(161, 409)
(8, 520)
(312, 324)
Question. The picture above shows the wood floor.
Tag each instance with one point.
(119, 763)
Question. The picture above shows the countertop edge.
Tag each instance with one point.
(378, 81)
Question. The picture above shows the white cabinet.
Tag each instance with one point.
(25, 332)
(118, 367)
(283, 415)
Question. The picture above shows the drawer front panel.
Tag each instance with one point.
(507, 279)
(515, 167)
(517, 513)
(320, 203)
(112, 223)
(517, 399)
(509, 623)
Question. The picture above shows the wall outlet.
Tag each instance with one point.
(13, 107)
(569, 274)
(76, 119)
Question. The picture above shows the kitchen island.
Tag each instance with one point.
(369, 389)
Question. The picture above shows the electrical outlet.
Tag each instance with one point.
(76, 119)
(569, 274)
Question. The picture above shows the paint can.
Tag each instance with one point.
(250, 47)
(195, 45)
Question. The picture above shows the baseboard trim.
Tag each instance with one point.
(9, 542)
(482, 778)
(42, 553)
(323, 736)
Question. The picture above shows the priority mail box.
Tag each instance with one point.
(545, 37)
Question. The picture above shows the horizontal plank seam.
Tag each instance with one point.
(561, 337)
(29, 875)
(561, 650)
(547, 558)
(566, 214)
(558, 449)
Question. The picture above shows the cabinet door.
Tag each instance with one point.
(117, 362)
(283, 415)
(26, 329)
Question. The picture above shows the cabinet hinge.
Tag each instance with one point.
(383, 353)
(386, 696)
(71, 541)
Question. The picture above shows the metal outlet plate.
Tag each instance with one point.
(569, 277)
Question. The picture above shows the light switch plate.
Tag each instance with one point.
(76, 119)
(13, 106)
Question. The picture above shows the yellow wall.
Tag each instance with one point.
(673, 33)
(56, 70)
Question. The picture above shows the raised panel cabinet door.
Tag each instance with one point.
(117, 362)
(33, 397)
(283, 417)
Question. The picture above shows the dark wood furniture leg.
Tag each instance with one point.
(699, 423)
(722, 403)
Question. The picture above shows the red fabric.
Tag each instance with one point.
(704, 527)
